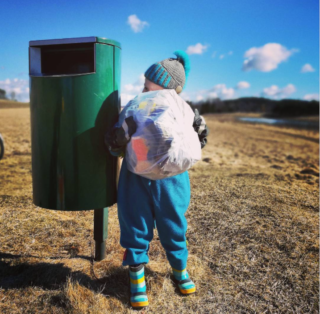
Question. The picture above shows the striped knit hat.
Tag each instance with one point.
(170, 73)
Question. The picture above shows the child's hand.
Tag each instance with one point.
(199, 125)
(131, 126)
(118, 137)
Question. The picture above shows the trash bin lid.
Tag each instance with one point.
(79, 40)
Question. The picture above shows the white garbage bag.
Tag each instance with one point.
(165, 143)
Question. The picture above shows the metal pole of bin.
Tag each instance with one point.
(100, 236)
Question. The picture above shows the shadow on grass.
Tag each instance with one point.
(15, 274)
(21, 275)
(48, 276)
(15, 256)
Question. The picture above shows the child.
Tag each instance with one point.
(143, 202)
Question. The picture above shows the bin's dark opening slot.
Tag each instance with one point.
(67, 59)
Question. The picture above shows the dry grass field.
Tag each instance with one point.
(253, 231)
(4, 103)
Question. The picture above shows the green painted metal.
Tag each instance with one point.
(117, 71)
(71, 167)
(108, 41)
(100, 232)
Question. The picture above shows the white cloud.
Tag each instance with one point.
(214, 54)
(17, 86)
(131, 90)
(271, 91)
(136, 24)
(311, 97)
(185, 96)
(226, 93)
(275, 92)
(288, 90)
(125, 98)
(225, 55)
(242, 85)
(307, 68)
(197, 49)
(218, 91)
(218, 87)
(266, 58)
(212, 95)
(221, 91)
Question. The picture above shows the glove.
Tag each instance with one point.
(199, 125)
(117, 138)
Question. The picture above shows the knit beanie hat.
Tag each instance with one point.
(170, 73)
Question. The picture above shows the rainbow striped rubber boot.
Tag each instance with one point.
(185, 284)
(138, 287)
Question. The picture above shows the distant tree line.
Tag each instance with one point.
(3, 95)
(269, 107)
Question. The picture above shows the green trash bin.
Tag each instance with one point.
(74, 100)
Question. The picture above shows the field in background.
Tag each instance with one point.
(253, 231)
(4, 103)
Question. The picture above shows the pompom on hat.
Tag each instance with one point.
(170, 73)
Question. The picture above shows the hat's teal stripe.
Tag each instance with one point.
(151, 70)
(159, 74)
(165, 75)
(167, 82)
(148, 71)
(155, 69)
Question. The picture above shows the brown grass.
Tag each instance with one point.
(253, 232)
(4, 103)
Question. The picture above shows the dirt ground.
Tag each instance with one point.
(253, 231)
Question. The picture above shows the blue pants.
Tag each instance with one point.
(141, 202)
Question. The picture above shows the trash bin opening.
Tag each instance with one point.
(64, 59)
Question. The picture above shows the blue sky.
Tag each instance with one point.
(259, 48)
